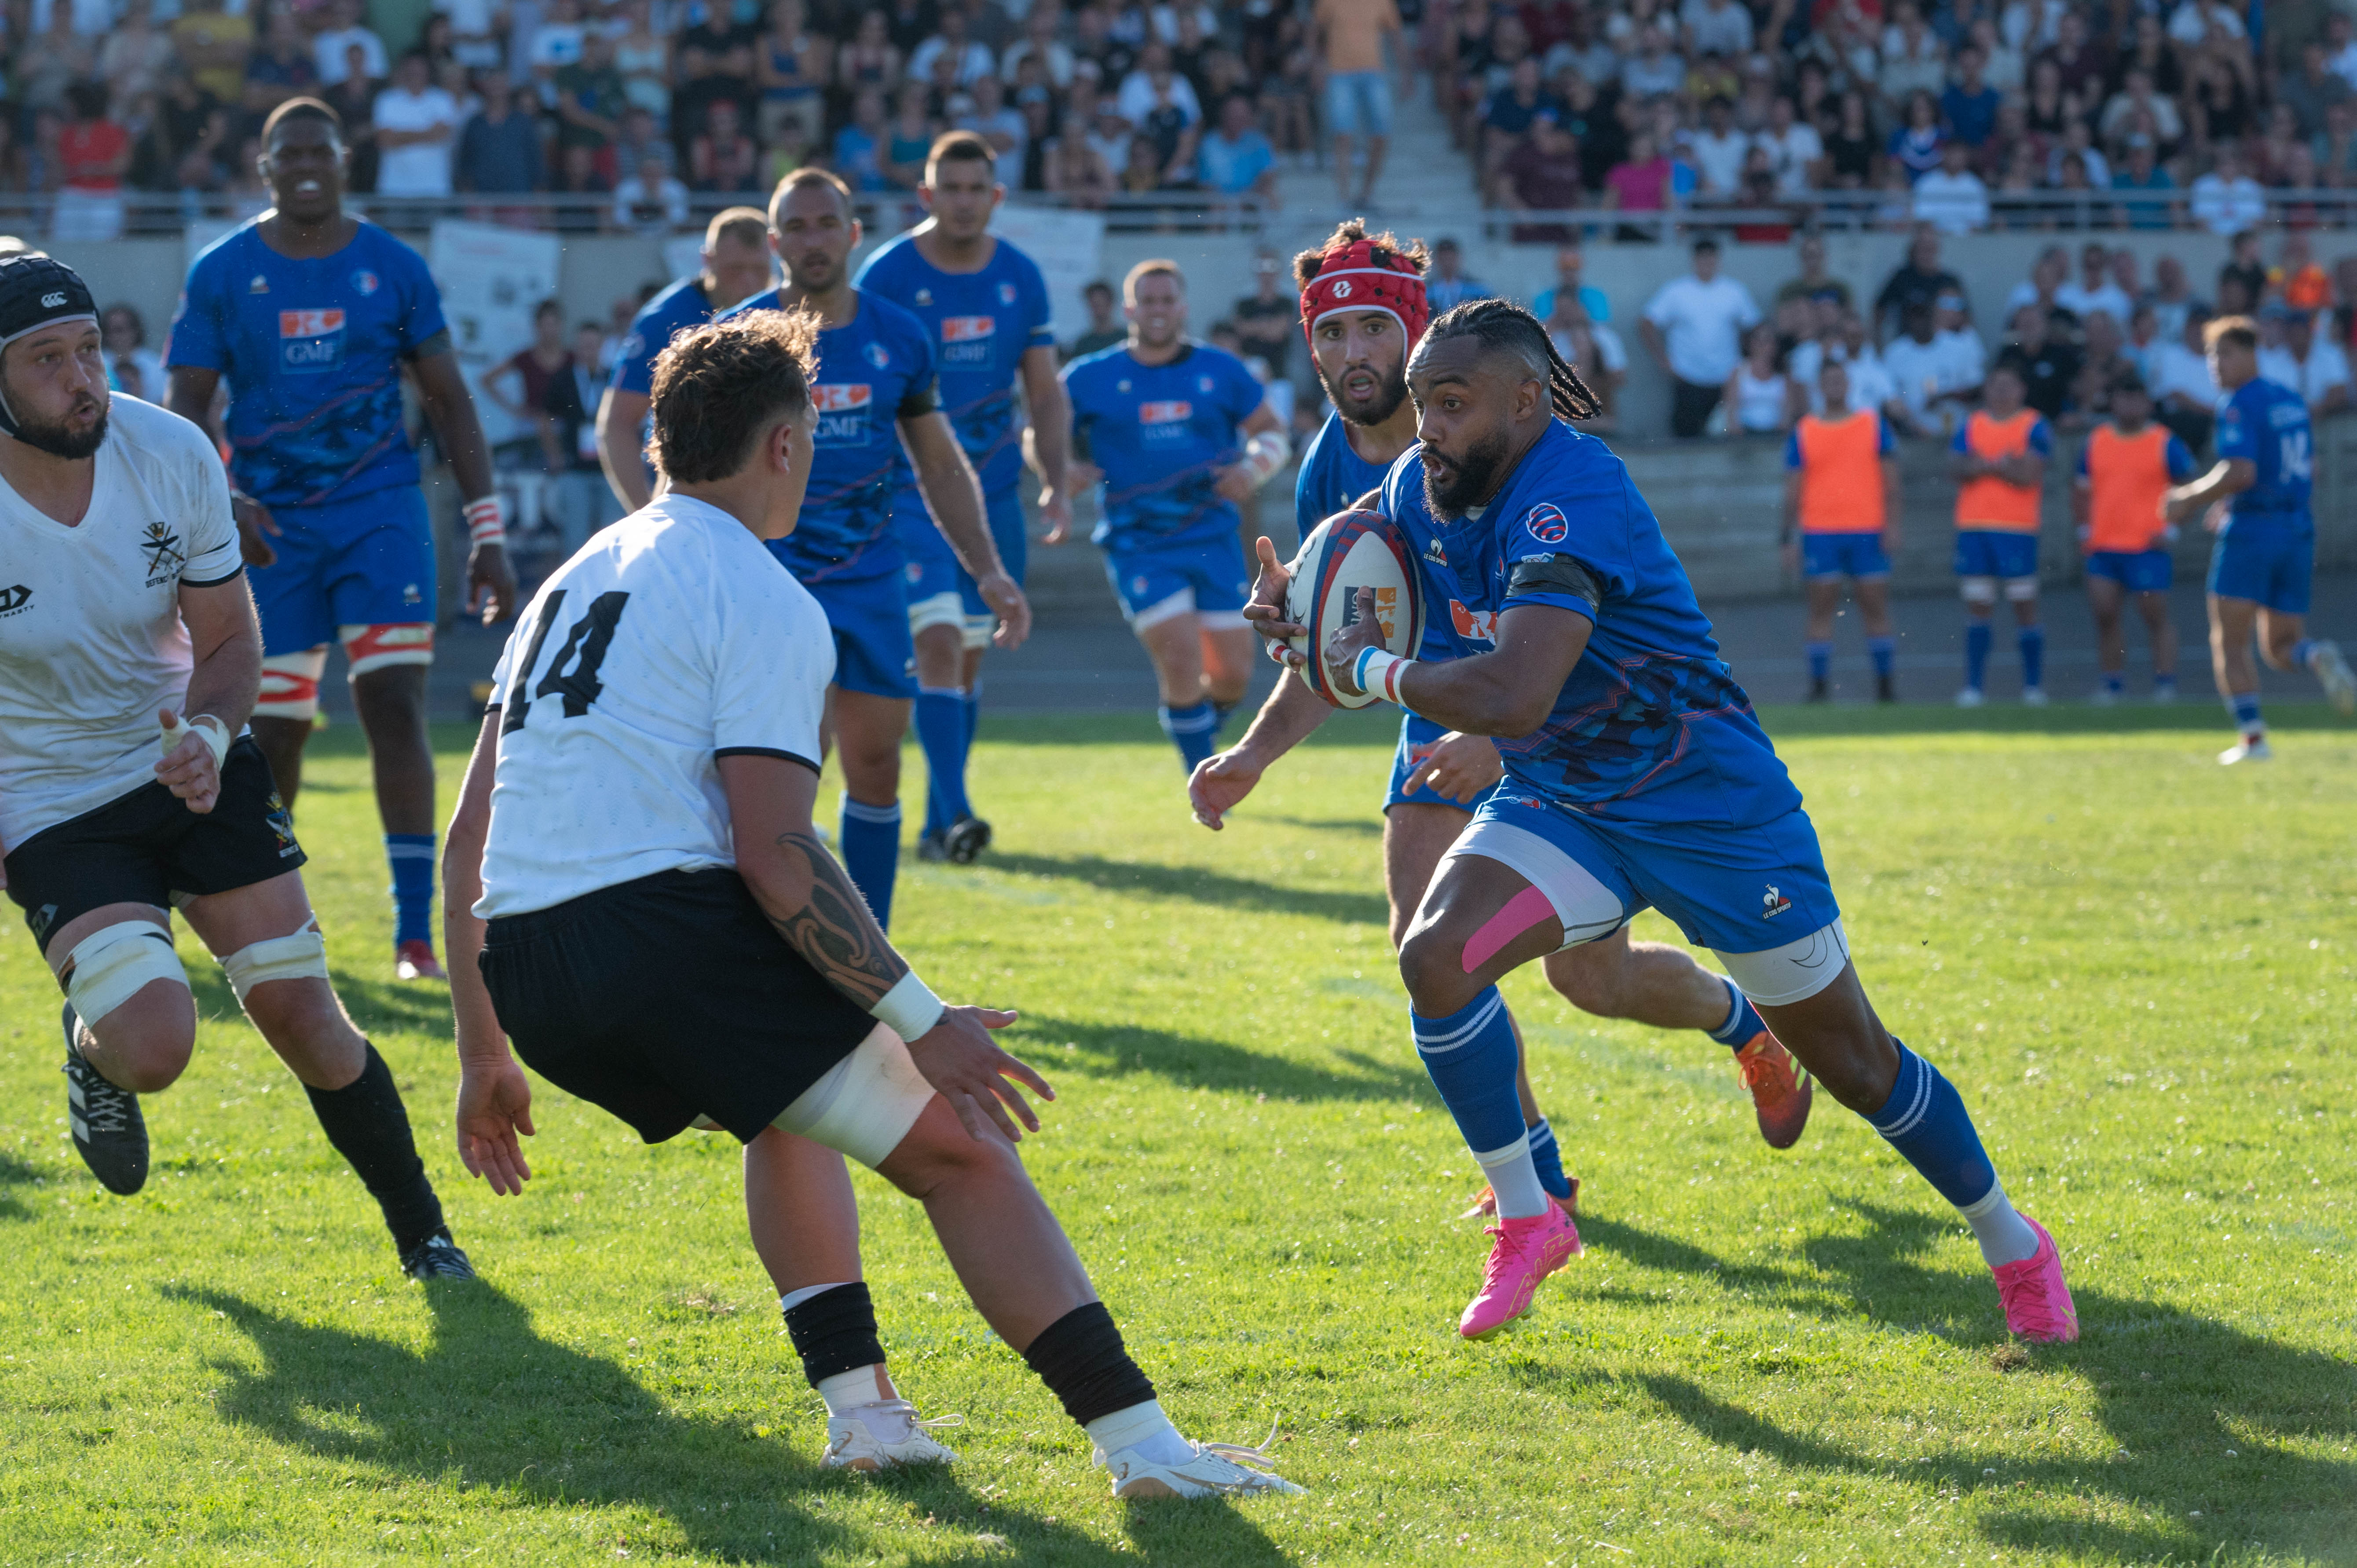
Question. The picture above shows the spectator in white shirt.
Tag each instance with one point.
(1653, 72)
(1040, 39)
(1792, 146)
(1694, 327)
(1951, 199)
(651, 201)
(2341, 46)
(328, 48)
(1718, 150)
(1871, 384)
(2314, 367)
(1154, 81)
(972, 56)
(2182, 387)
(1931, 370)
(2226, 200)
(1716, 27)
(2191, 22)
(2096, 289)
(416, 126)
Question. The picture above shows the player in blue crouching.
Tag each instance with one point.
(1637, 775)
(1182, 436)
(874, 396)
(2257, 498)
(987, 307)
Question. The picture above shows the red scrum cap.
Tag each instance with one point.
(1366, 274)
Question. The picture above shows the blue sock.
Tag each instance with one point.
(1471, 1055)
(940, 733)
(412, 857)
(2115, 684)
(1977, 652)
(1546, 1158)
(1821, 660)
(1883, 650)
(2164, 685)
(1926, 1122)
(871, 852)
(1743, 1020)
(2300, 651)
(2033, 656)
(2245, 706)
(973, 711)
(1193, 730)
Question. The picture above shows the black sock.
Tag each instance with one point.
(365, 1121)
(835, 1331)
(1080, 1358)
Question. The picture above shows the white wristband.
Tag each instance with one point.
(909, 1008)
(1380, 671)
(216, 735)
(487, 521)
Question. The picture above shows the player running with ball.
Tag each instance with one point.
(129, 607)
(664, 934)
(1363, 309)
(1636, 775)
(314, 315)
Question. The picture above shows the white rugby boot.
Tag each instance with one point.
(2250, 748)
(2332, 670)
(1214, 1469)
(885, 1435)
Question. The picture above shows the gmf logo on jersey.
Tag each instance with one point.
(310, 342)
(1772, 904)
(1546, 524)
(968, 339)
(841, 412)
(1164, 421)
(1474, 626)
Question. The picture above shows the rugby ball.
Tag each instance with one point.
(1348, 551)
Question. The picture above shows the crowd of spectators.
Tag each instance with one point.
(1964, 113)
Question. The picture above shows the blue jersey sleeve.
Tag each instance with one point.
(1885, 444)
(1792, 449)
(1962, 442)
(1542, 533)
(2042, 439)
(197, 338)
(2181, 461)
(424, 320)
(1243, 394)
(924, 379)
(2081, 467)
(1033, 291)
(2239, 434)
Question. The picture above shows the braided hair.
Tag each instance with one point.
(1502, 323)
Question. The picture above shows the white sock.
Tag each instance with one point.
(2005, 1237)
(1514, 1179)
(861, 1385)
(1144, 1427)
(794, 1298)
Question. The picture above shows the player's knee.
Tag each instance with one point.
(126, 985)
(1586, 979)
(939, 1153)
(1432, 967)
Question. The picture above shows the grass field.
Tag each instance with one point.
(2137, 965)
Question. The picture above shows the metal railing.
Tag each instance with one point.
(2008, 211)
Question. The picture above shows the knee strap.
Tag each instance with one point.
(107, 967)
(301, 956)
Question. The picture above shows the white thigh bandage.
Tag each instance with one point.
(1585, 908)
(290, 685)
(977, 630)
(1977, 590)
(368, 647)
(945, 609)
(1179, 604)
(107, 967)
(302, 956)
(1793, 972)
(2019, 590)
(865, 1103)
(1222, 620)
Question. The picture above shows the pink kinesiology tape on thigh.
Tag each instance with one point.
(1522, 911)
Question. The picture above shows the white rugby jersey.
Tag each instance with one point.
(90, 639)
(674, 638)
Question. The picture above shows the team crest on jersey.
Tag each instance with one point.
(841, 412)
(282, 822)
(878, 356)
(259, 285)
(924, 296)
(1772, 904)
(1474, 626)
(1122, 385)
(365, 281)
(1546, 524)
(161, 548)
(310, 342)
(1006, 293)
(15, 599)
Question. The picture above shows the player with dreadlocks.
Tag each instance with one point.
(1363, 309)
(1636, 775)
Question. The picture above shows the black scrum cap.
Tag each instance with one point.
(37, 291)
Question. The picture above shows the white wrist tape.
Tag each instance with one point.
(909, 1009)
(487, 521)
(216, 735)
(1265, 454)
(1379, 671)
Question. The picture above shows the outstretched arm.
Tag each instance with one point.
(1219, 783)
(810, 899)
(2231, 476)
(494, 1096)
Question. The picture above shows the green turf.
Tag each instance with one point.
(2136, 965)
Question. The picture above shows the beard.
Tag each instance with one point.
(59, 441)
(1466, 481)
(1390, 393)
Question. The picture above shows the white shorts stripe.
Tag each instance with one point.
(1793, 972)
(1587, 908)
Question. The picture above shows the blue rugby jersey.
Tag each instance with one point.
(312, 351)
(1651, 726)
(2266, 425)
(683, 304)
(982, 324)
(1161, 433)
(873, 372)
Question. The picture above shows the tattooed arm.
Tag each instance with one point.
(806, 895)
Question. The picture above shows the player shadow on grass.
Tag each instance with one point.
(1200, 885)
(379, 1007)
(492, 1404)
(2171, 1388)
(1114, 1050)
(16, 1173)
